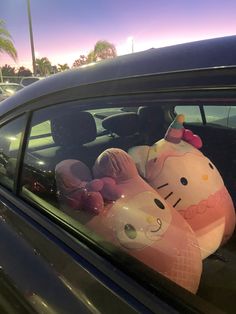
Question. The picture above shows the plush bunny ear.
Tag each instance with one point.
(139, 155)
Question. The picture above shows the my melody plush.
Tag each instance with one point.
(190, 182)
(143, 224)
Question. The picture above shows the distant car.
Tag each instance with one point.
(25, 81)
(8, 89)
(54, 255)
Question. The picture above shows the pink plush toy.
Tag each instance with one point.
(143, 224)
(77, 190)
(189, 182)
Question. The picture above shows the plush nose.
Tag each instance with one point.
(204, 177)
(151, 220)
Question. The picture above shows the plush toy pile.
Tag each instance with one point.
(139, 221)
(166, 205)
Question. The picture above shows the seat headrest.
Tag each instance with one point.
(75, 128)
(150, 117)
(122, 124)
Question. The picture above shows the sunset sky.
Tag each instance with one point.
(64, 29)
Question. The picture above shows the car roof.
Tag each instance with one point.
(210, 53)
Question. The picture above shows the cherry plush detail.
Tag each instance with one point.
(79, 191)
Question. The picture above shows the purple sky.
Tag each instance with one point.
(64, 29)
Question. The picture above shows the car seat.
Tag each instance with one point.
(151, 123)
(71, 132)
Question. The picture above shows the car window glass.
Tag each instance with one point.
(100, 114)
(217, 114)
(101, 196)
(192, 113)
(67, 173)
(232, 117)
(49, 142)
(10, 138)
(40, 134)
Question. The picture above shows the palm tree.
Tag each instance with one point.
(63, 67)
(6, 44)
(43, 66)
(102, 50)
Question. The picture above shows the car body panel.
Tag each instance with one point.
(206, 54)
(50, 278)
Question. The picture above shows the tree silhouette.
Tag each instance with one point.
(24, 72)
(6, 44)
(7, 70)
(43, 66)
(63, 67)
(104, 50)
(81, 61)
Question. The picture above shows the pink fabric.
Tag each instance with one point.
(192, 139)
(78, 190)
(174, 135)
(192, 184)
(160, 237)
(218, 205)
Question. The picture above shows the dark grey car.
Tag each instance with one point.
(54, 262)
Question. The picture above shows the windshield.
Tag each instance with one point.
(10, 88)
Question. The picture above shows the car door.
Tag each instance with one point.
(38, 256)
(57, 263)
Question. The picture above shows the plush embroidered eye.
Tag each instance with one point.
(130, 231)
(211, 166)
(159, 203)
(183, 181)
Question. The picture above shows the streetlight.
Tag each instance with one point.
(31, 38)
(130, 39)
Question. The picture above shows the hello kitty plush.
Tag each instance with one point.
(190, 182)
(143, 224)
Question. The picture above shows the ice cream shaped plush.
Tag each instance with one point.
(143, 224)
(190, 182)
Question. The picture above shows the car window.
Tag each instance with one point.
(218, 115)
(28, 80)
(73, 153)
(65, 141)
(192, 113)
(232, 117)
(213, 115)
(10, 139)
(11, 88)
(100, 114)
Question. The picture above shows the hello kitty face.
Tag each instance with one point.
(141, 220)
(186, 180)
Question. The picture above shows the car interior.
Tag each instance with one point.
(84, 134)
